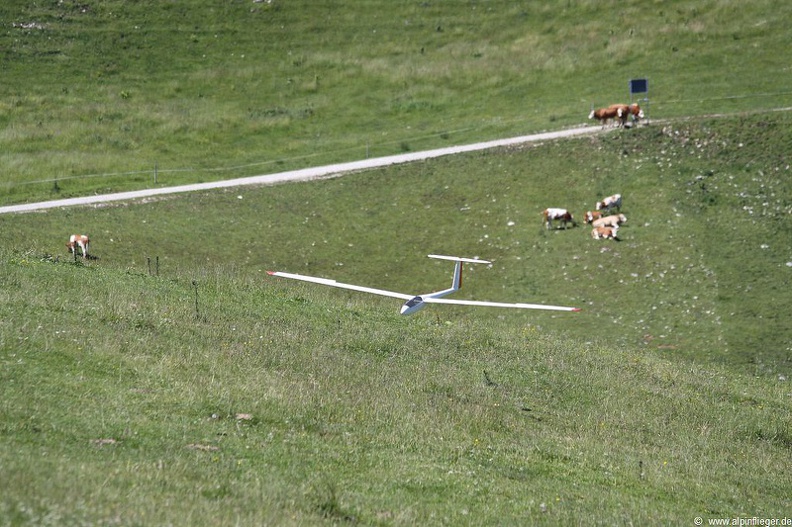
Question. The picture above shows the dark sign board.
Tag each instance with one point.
(639, 86)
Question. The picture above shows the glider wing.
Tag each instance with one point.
(430, 300)
(333, 283)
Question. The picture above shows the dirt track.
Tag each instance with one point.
(298, 175)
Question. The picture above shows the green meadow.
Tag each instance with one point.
(171, 381)
(119, 95)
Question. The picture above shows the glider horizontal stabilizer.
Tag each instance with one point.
(458, 259)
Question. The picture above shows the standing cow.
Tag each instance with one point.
(604, 114)
(636, 112)
(561, 215)
(610, 221)
(81, 241)
(625, 111)
(609, 203)
(622, 113)
(590, 216)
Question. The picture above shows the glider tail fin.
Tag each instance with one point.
(457, 283)
(458, 261)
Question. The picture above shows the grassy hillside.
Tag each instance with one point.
(172, 381)
(701, 272)
(137, 404)
(117, 95)
(213, 393)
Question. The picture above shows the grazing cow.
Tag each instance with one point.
(624, 111)
(605, 233)
(603, 114)
(636, 112)
(562, 215)
(610, 221)
(611, 202)
(78, 240)
(591, 216)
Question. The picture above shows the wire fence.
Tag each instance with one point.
(155, 172)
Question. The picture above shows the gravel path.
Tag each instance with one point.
(298, 175)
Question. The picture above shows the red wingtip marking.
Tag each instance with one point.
(576, 309)
(271, 272)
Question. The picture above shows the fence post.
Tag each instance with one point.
(197, 312)
(156, 169)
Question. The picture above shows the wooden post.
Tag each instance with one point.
(195, 285)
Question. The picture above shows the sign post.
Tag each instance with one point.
(640, 86)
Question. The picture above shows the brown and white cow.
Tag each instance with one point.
(78, 240)
(614, 220)
(611, 202)
(624, 111)
(590, 216)
(636, 112)
(561, 215)
(605, 233)
(604, 114)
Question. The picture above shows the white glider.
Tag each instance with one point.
(415, 302)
